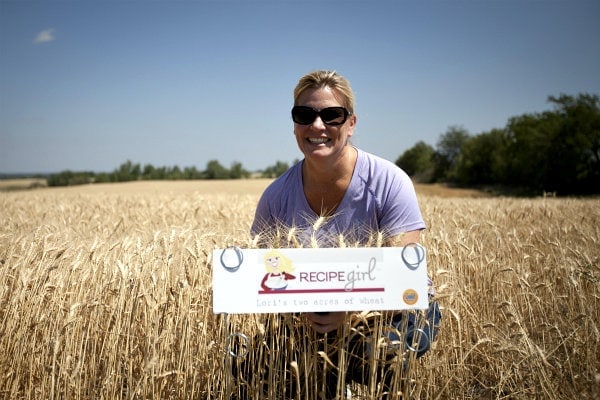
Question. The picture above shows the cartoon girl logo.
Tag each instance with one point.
(279, 269)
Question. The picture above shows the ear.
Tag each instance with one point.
(352, 120)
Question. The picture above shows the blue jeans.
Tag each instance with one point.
(416, 334)
(412, 331)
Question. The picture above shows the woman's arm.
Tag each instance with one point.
(403, 239)
(327, 322)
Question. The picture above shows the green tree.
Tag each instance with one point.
(160, 173)
(574, 165)
(127, 172)
(175, 173)
(237, 171)
(191, 173)
(275, 170)
(70, 178)
(482, 159)
(529, 150)
(149, 172)
(418, 162)
(448, 149)
(214, 170)
(102, 177)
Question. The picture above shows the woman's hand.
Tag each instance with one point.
(324, 322)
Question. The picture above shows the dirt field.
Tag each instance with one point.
(21, 184)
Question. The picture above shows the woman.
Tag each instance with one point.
(338, 194)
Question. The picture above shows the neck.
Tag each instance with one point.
(328, 171)
(325, 183)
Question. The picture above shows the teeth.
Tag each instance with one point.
(318, 140)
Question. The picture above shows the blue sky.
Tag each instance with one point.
(87, 85)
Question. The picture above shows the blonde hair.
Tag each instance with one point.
(323, 78)
(285, 264)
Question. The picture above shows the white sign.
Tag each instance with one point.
(312, 280)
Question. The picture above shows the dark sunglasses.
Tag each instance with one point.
(330, 116)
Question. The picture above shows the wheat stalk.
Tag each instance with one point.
(105, 292)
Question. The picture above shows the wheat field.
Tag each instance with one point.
(105, 293)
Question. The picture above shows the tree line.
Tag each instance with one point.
(129, 171)
(553, 151)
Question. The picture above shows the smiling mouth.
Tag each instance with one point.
(318, 140)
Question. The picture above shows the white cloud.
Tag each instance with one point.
(47, 35)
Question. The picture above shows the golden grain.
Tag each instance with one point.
(105, 292)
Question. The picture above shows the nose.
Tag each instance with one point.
(318, 124)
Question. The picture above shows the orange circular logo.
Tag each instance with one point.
(410, 296)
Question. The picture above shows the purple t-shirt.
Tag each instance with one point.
(380, 199)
